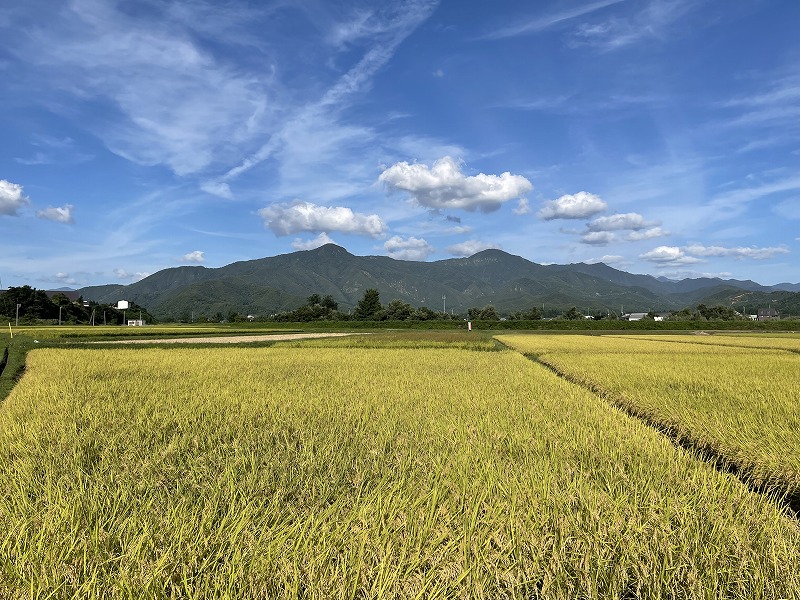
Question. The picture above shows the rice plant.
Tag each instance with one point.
(359, 473)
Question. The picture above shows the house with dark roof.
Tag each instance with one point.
(767, 314)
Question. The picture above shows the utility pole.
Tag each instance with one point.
(17, 324)
(59, 315)
(444, 304)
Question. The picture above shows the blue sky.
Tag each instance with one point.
(658, 136)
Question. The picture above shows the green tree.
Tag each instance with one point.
(329, 303)
(423, 313)
(534, 314)
(369, 306)
(572, 314)
(488, 313)
(313, 299)
(397, 310)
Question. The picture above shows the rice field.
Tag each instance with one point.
(339, 470)
(733, 397)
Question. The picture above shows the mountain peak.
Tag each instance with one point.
(330, 249)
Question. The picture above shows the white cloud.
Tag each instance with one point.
(608, 259)
(61, 214)
(470, 247)
(788, 209)
(123, 274)
(285, 219)
(217, 188)
(444, 186)
(65, 278)
(648, 23)
(573, 206)
(410, 248)
(11, 198)
(598, 238)
(686, 274)
(617, 222)
(175, 103)
(317, 121)
(198, 256)
(668, 256)
(523, 208)
(739, 252)
(322, 239)
(544, 22)
(647, 234)
(438, 73)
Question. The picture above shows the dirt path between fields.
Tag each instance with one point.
(232, 339)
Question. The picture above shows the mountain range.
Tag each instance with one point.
(279, 283)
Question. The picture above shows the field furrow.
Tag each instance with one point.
(739, 403)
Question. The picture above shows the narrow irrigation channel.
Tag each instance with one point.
(780, 495)
(3, 361)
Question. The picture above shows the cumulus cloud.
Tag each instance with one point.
(573, 206)
(11, 198)
(647, 234)
(408, 249)
(123, 274)
(470, 247)
(673, 255)
(198, 256)
(322, 239)
(740, 252)
(65, 278)
(679, 274)
(598, 238)
(523, 208)
(444, 186)
(633, 221)
(668, 256)
(285, 219)
(608, 259)
(61, 214)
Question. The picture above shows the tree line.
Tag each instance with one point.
(37, 307)
(370, 308)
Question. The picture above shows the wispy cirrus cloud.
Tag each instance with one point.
(172, 101)
(546, 21)
(650, 22)
(314, 131)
